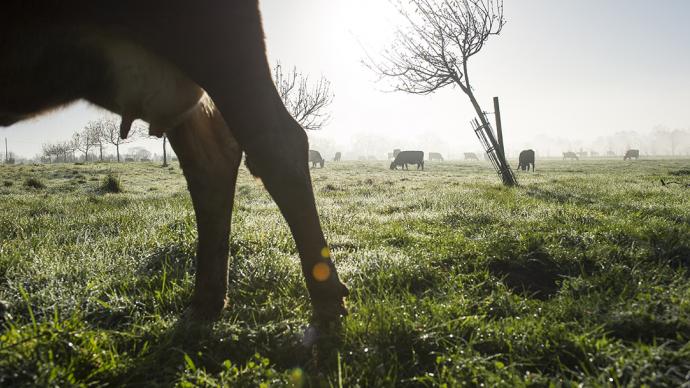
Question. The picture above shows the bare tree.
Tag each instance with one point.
(96, 134)
(110, 133)
(434, 49)
(306, 102)
(83, 141)
(48, 151)
(165, 151)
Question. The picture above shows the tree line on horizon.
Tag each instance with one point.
(93, 139)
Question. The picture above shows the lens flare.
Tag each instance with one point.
(321, 272)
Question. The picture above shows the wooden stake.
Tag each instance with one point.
(499, 128)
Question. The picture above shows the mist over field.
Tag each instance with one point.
(568, 79)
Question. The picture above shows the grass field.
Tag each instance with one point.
(581, 274)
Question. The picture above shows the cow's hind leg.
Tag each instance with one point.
(209, 156)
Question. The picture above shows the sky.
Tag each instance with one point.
(568, 71)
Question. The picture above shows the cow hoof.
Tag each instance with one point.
(311, 336)
(204, 312)
(329, 309)
(321, 332)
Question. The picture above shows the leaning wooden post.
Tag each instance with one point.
(499, 128)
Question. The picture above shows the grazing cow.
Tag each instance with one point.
(526, 158)
(629, 154)
(315, 158)
(196, 71)
(408, 157)
(337, 157)
(435, 156)
(396, 152)
(471, 156)
(570, 155)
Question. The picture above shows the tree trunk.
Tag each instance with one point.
(507, 178)
(117, 151)
(100, 151)
(165, 157)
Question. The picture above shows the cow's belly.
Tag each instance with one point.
(147, 87)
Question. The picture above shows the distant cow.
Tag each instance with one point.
(315, 158)
(629, 154)
(435, 156)
(526, 158)
(408, 157)
(337, 157)
(570, 155)
(471, 156)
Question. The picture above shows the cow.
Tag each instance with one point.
(337, 157)
(408, 157)
(471, 156)
(435, 156)
(570, 155)
(197, 72)
(396, 152)
(525, 159)
(316, 159)
(629, 154)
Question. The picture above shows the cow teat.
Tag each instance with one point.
(125, 126)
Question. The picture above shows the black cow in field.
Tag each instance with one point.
(196, 71)
(471, 156)
(570, 155)
(435, 156)
(408, 157)
(316, 159)
(526, 158)
(629, 154)
(337, 157)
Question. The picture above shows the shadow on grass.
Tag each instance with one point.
(188, 348)
(559, 197)
(526, 266)
(533, 277)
